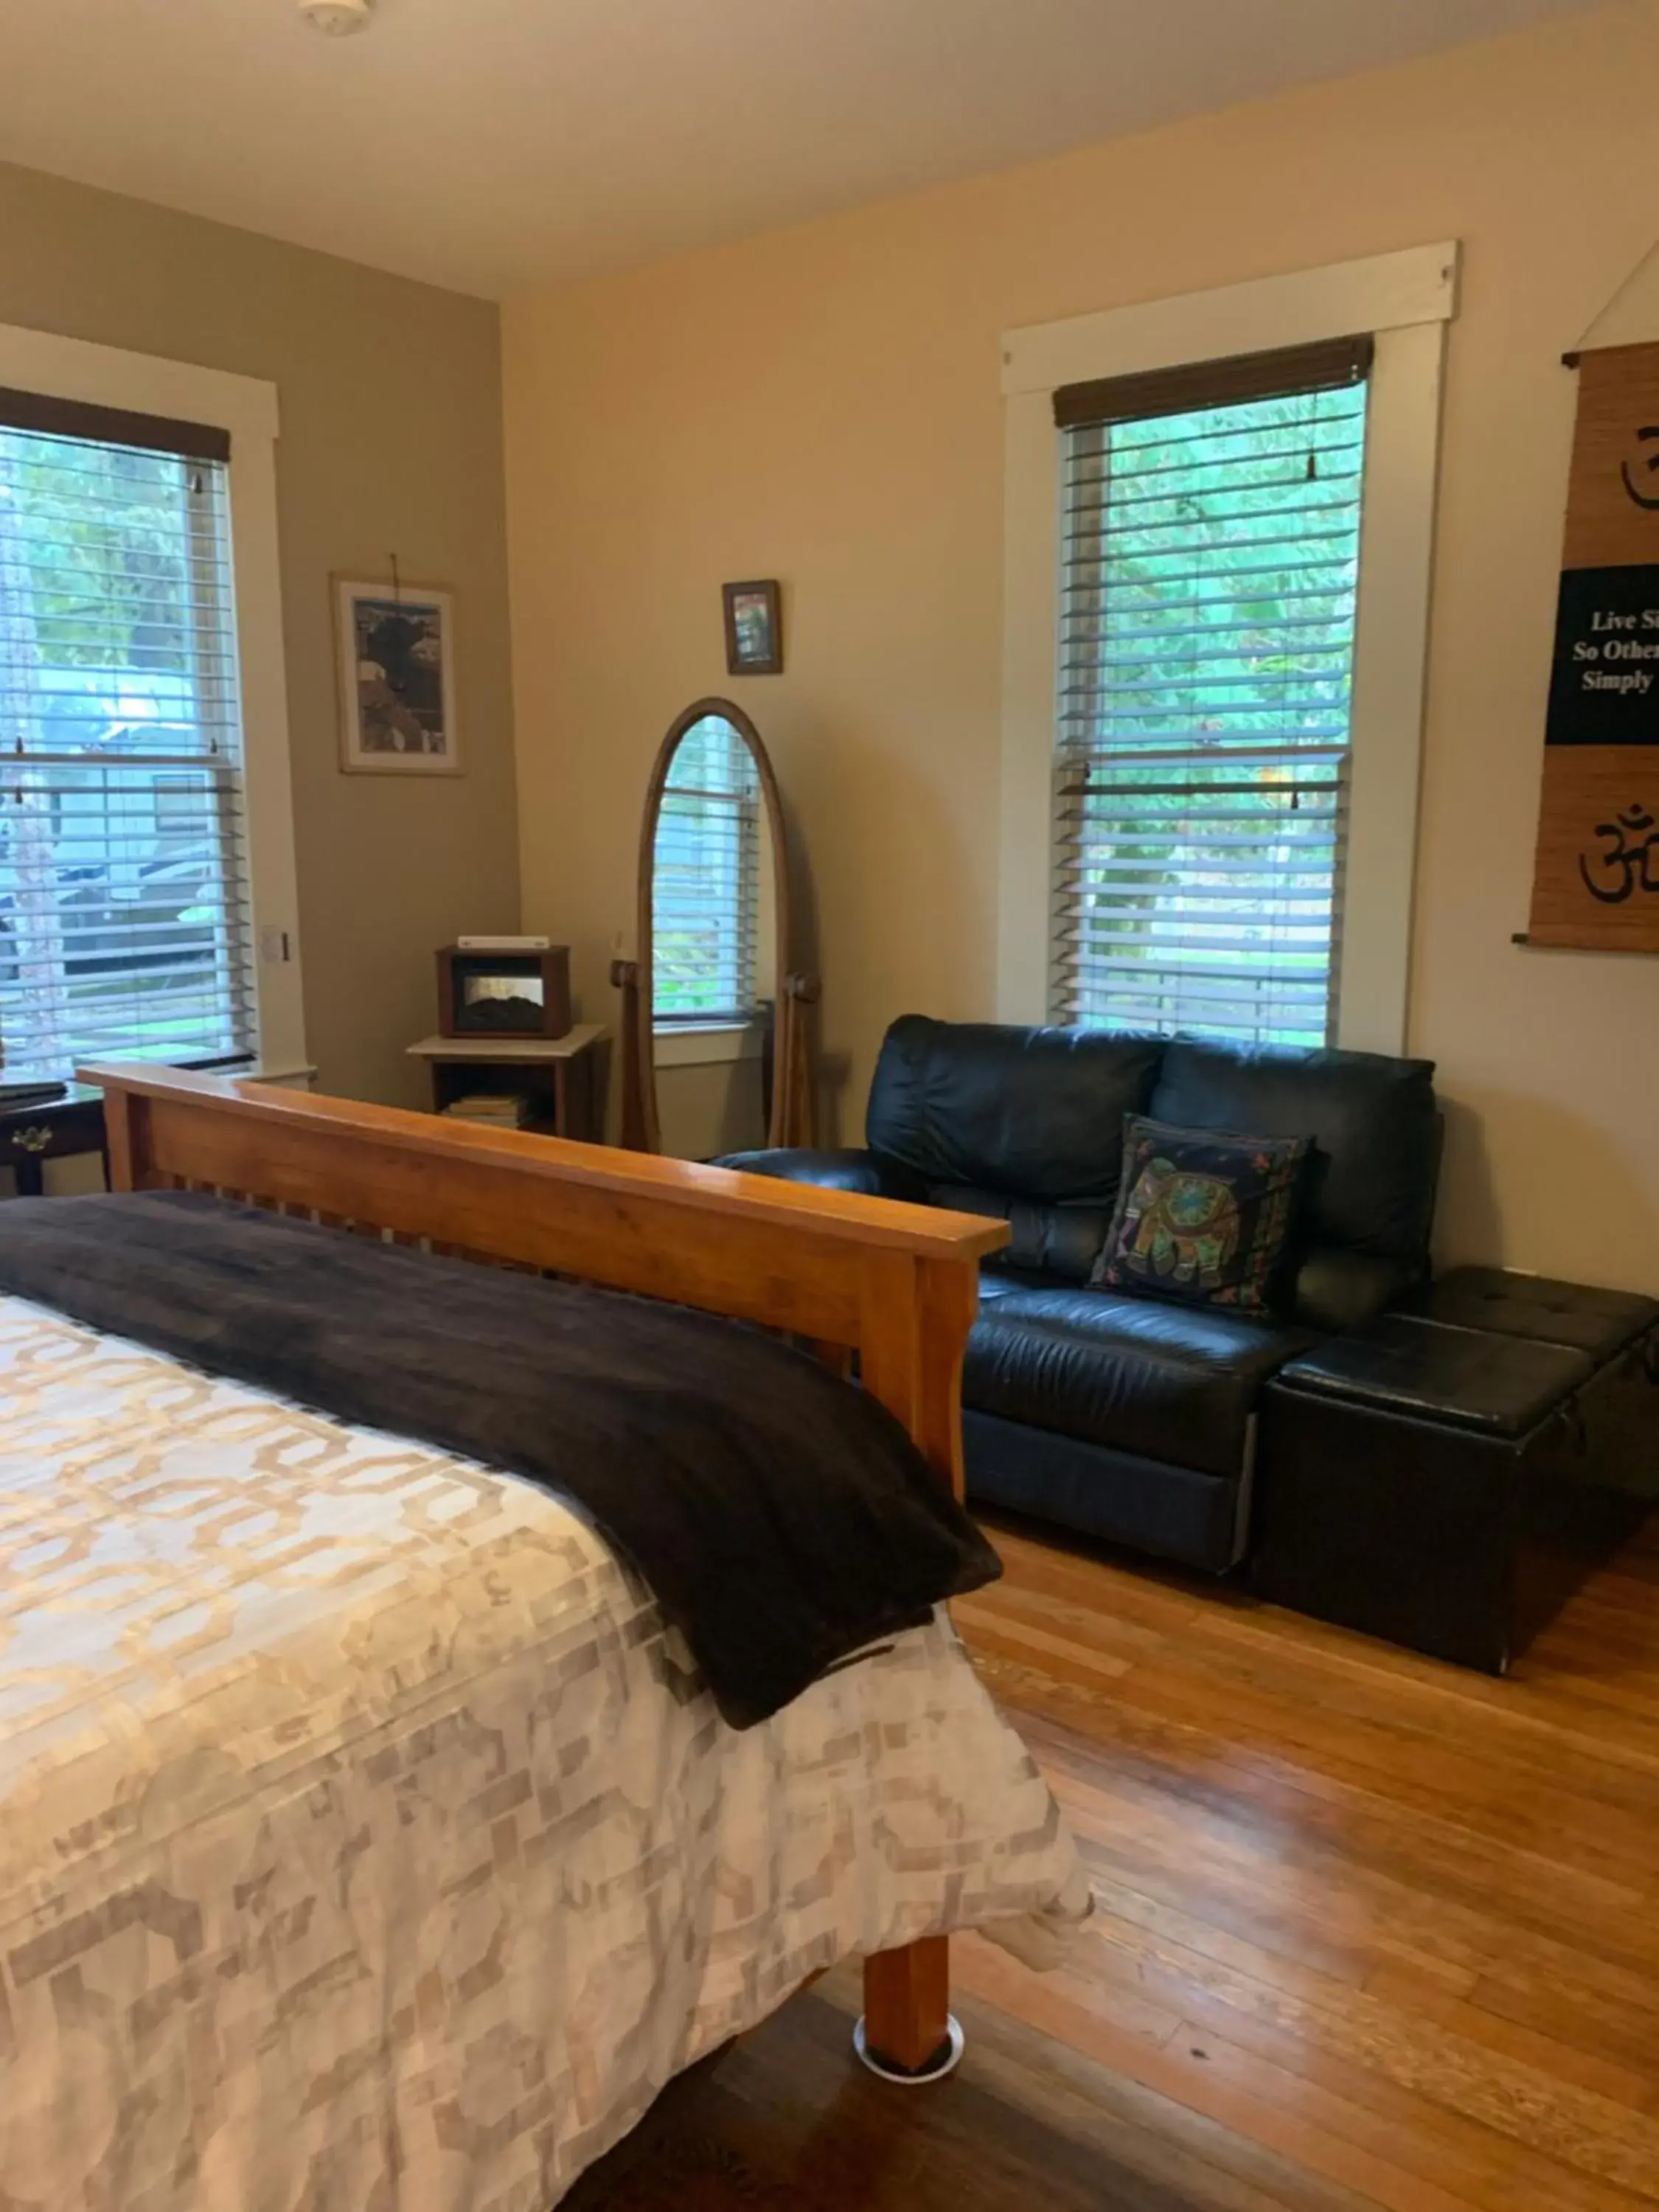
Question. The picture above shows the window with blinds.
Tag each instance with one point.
(1206, 625)
(706, 888)
(123, 904)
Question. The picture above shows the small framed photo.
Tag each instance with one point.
(754, 631)
(396, 644)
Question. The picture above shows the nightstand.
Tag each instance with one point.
(50, 1130)
(557, 1075)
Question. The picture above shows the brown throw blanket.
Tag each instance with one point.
(782, 1519)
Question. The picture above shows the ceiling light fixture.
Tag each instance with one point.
(338, 18)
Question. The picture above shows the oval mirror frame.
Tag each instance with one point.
(791, 1117)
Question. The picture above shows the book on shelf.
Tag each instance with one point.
(504, 1111)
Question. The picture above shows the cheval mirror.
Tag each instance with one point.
(716, 1042)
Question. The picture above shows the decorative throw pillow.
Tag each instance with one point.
(1202, 1215)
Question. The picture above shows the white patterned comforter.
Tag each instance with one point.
(367, 1841)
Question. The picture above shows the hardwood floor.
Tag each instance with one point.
(1370, 1931)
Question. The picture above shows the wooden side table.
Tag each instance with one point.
(557, 1074)
(50, 1130)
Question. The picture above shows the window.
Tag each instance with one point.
(1208, 590)
(125, 919)
(176, 813)
(1126, 690)
(705, 890)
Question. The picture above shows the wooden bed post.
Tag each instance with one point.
(126, 1138)
(916, 1314)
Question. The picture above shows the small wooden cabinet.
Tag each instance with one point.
(557, 1075)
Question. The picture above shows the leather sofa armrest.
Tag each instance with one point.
(1339, 1291)
(852, 1170)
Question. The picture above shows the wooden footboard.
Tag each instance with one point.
(898, 1285)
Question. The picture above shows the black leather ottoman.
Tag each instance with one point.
(1445, 1486)
(1619, 1331)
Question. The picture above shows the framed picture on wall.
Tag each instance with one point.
(396, 646)
(754, 631)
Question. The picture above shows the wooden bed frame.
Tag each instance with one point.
(898, 1285)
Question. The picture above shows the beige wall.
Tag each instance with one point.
(390, 441)
(822, 404)
(710, 1109)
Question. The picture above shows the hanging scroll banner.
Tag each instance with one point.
(1596, 882)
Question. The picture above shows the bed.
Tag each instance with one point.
(367, 1837)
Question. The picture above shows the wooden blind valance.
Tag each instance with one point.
(1324, 366)
(112, 426)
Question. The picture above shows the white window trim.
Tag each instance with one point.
(706, 1044)
(105, 376)
(1405, 300)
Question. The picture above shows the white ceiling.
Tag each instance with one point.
(491, 144)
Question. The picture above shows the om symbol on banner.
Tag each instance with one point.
(1627, 864)
(1650, 465)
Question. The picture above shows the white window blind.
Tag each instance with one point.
(1208, 590)
(124, 899)
(705, 893)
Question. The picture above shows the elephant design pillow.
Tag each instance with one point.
(1202, 1215)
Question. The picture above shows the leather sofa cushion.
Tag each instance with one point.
(1062, 1240)
(1035, 1114)
(848, 1169)
(1427, 1371)
(997, 1280)
(1336, 1290)
(1057, 1240)
(1376, 1132)
(1169, 1382)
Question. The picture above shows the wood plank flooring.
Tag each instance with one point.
(1370, 1931)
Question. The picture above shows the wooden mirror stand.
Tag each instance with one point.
(791, 1115)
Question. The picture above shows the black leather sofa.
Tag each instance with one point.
(1134, 1418)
